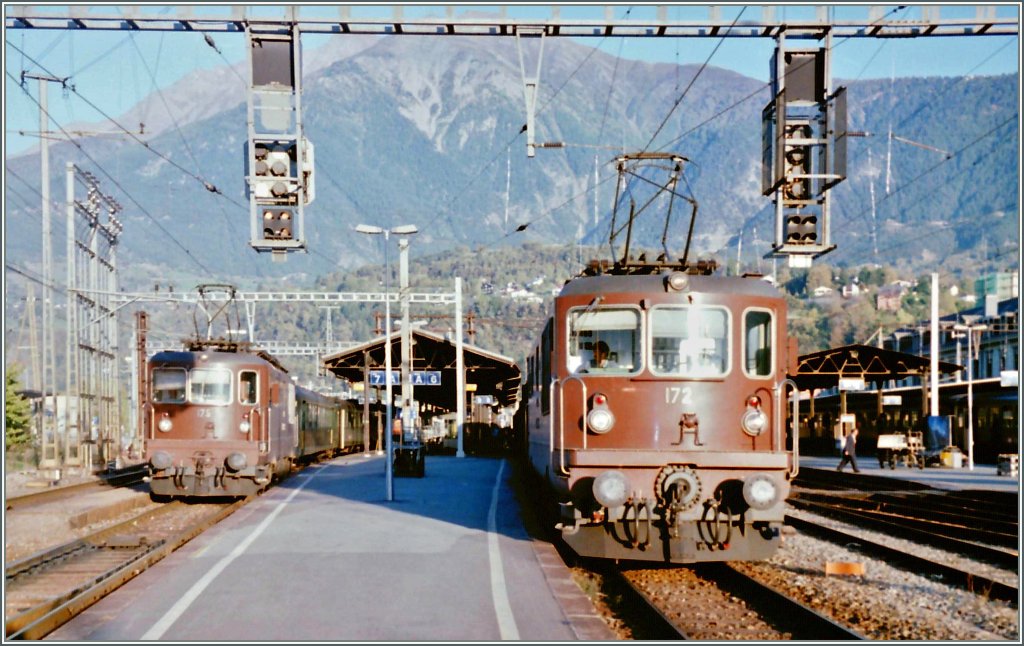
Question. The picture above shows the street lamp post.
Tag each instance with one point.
(970, 328)
(407, 229)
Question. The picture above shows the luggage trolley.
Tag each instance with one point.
(906, 446)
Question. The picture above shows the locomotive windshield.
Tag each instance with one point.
(168, 386)
(604, 340)
(210, 386)
(690, 341)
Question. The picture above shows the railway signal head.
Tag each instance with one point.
(278, 223)
(798, 164)
(275, 174)
(801, 229)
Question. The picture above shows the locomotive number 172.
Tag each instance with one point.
(679, 395)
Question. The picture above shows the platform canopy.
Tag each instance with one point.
(825, 368)
(487, 373)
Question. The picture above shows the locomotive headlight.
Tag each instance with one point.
(760, 491)
(235, 461)
(611, 488)
(165, 424)
(600, 420)
(753, 422)
(244, 426)
(677, 281)
(160, 461)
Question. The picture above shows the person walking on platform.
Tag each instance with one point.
(849, 451)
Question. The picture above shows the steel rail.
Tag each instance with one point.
(49, 614)
(920, 514)
(655, 621)
(996, 556)
(802, 621)
(125, 477)
(970, 581)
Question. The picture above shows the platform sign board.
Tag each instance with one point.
(377, 377)
(892, 400)
(851, 384)
(1008, 378)
(418, 378)
(426, 378)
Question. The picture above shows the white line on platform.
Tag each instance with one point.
(506, 620)
(178, 609)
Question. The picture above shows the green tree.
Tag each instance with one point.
(16, 413)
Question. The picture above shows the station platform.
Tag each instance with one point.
(982, 477)
(324, 556)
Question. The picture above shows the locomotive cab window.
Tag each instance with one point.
(604, 341)
(690, 341)
(168, 386)
(247, 391)
(757, 343)
(210, 386)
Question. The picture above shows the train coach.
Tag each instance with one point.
(657, 414)
(222, 419)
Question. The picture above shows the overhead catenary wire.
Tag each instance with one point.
(118, 184)
(228, 221)
(682, 96)
(932, 168)
(209, 186)
(763, 87)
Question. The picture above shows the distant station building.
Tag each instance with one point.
(995, 359)
(1002, 285)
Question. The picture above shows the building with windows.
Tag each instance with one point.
(1002, 285)
(905, 405)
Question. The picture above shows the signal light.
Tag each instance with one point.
(275, 172)
(798, 163)
(277, 224)
(801, 229)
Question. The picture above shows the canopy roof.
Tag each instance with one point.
(824, 369)
(491, 373)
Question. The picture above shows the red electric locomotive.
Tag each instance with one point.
(223, 420)
(657, 412)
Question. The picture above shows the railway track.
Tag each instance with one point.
(714, 601)
(970, 580)
(47, 589)
(122, 478)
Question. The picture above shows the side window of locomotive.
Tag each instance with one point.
(168, 386)
(546, 345)
(210, 386)
(690, 341)
(604, 341)
(757, 343)
(247, 391)
(291, 404)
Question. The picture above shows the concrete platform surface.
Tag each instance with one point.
(324, 556)
(983, 476)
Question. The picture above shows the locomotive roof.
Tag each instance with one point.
(751, 285)
(216, 356)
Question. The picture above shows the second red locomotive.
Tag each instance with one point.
(223, 420)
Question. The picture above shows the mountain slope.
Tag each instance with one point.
(427, 132)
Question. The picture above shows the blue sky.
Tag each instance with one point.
(115, 70)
